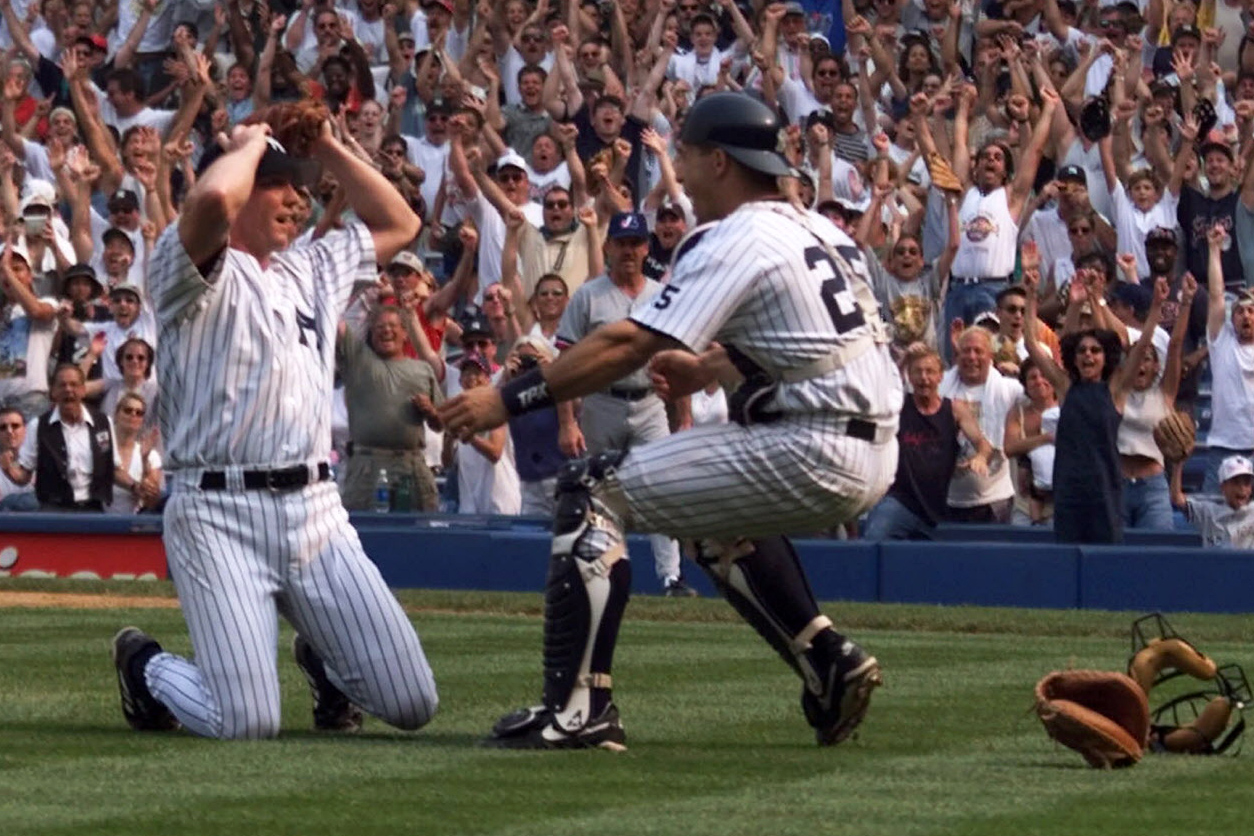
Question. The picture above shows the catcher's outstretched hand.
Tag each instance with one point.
(473, 411)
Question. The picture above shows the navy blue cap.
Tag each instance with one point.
(473, 321)
(275, 163)
(1073, 173)
(1135, 296)
(629, 225)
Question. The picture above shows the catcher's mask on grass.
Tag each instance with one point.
(275, 166)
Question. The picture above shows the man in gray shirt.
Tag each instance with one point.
(389, 397)
(629, 412)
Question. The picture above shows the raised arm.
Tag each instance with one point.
(1031, 327)
(1025, 174)
(1216, 310)
(1121, 380)
(262, 84)
(126, 52)
(1175, 348)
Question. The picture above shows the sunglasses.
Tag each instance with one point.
(476, 343)
(131, 410)
(907, 251)
(491, 297)
(556, 204)
(511, 176)
(532, 39)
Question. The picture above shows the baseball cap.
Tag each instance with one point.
(1222, 147)
(37, 192)
(987, 319)
(407, 261)
(123, 200)
(18, 250)
(126, 287)
(275, 164)
(447, 5)
(1073, 174)
(473, 321)
(671, 209)
(82, 271)
(1234, 466)
(1186, 30)
(1161, 235)
(511, 159)
(794, 9)
(406, 36)
(1245, 297)
(96, 42)
(855, 206)
(820, 116)
(1135, 296)
(628, 225)
(115, 234)
(475, 359)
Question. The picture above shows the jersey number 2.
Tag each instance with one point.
(841, 306)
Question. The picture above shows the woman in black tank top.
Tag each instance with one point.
(1088, 484)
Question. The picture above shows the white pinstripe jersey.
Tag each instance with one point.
(761, 281)
(247, 355)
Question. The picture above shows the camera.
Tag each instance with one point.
(34, 224)
(527, 362)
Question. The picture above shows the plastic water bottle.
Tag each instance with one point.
(382, 493)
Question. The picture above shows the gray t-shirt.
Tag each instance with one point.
(1221, 526)
(378, 395)
(599, 302)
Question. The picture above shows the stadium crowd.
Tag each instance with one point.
(1039, 187)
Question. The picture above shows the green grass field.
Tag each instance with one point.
(717, 742)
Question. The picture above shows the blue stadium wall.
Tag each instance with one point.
(992, 565)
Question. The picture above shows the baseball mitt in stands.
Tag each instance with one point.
(942, 174)
(1176, 435)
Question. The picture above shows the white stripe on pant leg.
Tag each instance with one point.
(225, 588)
(339, 601)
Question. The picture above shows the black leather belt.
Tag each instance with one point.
(864, 430)
(280, 479)
(628, 394)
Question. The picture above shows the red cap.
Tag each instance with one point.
(95, 41)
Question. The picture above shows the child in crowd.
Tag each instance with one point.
(1227, 524)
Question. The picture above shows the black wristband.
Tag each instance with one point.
(526, 393)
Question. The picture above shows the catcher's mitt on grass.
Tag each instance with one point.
(942, 174)
(1176, 435)
(1103, 715)
(294, 124)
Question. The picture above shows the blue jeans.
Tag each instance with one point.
(19, 502)
(890, 520)
(966, 302)
(1215, 455)
(1147, 504)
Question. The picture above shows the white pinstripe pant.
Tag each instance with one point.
(238, 560)
(726, 481)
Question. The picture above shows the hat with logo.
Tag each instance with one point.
(1161, 236)
(628, 225)
(123, 200)
(406, 261)
(473, 321)
(1234, 466)
(1073, 174)
(275, 164)
(124, 288)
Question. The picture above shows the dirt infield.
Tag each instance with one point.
(80, 601)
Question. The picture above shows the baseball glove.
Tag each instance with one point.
(294, 124)
(1175, 435)
(1103, 715)
(942, 174)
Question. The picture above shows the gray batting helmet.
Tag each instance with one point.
(742, 126)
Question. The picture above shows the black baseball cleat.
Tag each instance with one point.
(132, 648)
(677, 588)
(332, 710)
(847, 688)
(533, 728)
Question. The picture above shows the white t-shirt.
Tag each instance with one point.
(25, 346)
(138, 274)
(990, 402)
(1232, 375)
(432, 159)
(484, 487)
(1132, 225)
